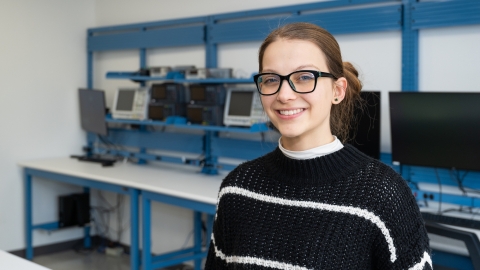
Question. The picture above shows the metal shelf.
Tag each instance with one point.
(181, 122)
(173, 77)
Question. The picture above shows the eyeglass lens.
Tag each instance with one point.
(303, 81)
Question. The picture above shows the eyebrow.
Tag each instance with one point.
(298, 68)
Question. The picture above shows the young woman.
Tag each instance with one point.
(314, 203)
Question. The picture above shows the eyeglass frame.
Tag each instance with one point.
(317, 74)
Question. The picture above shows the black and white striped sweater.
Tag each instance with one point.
(344, 210)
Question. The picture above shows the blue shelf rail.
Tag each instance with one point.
(128, 142)
(181, 122)
(175, 77)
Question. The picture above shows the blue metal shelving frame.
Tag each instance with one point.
(196, 253)
(134, 194)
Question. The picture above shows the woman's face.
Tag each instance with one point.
(302, 119)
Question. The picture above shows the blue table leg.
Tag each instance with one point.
(28, 216)
(197, 223)
(209, 229)
(134, 234)
(87, 240)
(146, 231)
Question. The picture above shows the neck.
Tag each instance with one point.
(331, 167)
(299, 144)
(313, 152)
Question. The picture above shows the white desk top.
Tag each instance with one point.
(177, 180)
(9, 261)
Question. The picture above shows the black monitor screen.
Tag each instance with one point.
(195, 115)
(197, 92)
(240, 103)
(365, 131)
(159, 91)
(125, 100)
(92, 111)
(436, 129)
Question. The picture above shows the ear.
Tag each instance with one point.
(339, 90)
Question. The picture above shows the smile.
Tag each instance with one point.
(290, 112)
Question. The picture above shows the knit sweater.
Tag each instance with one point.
(344, 210)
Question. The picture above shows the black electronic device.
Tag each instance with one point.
(205, 114)
(92, 111)
(92, 118)
(206, 94)
(160, 71)
(219, 73)
(206, 73)
(161, 111)
(167, 92)
(130, 103)
(365, 131)
(243, 107)
(469, 238)
(196, 73)
(103, 160)
(436, 129)
(74, 210)
(466, 222)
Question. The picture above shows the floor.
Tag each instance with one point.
(73, 260)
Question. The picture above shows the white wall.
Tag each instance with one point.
(113, 12)
(42, 52)
(449, 59)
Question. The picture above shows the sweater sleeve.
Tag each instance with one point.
(402, 217)
(214, 260)
(215, 256)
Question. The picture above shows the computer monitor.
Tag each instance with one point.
(365, 131)
(243, 107)
(92, 111)
(131, 103)
(436, 129)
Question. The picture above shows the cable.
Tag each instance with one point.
(102, 222)
(186, 240)
(116, 147)
(458, 180)
(440, 192)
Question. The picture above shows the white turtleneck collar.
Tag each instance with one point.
(314, 152)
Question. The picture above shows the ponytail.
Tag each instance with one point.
(342, 116)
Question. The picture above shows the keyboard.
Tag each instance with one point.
(454, 221)
(102, 160)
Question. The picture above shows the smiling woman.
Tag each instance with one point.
(314, 203)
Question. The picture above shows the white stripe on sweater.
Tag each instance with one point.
(320, 206)
(253, 260)
(421, 265)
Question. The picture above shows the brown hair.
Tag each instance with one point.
(341, 115)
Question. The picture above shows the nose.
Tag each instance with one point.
(286, 92)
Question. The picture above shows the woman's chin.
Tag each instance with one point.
(288, 132)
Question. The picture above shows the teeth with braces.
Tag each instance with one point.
(291, 112)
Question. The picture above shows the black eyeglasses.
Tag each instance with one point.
(301, 81)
